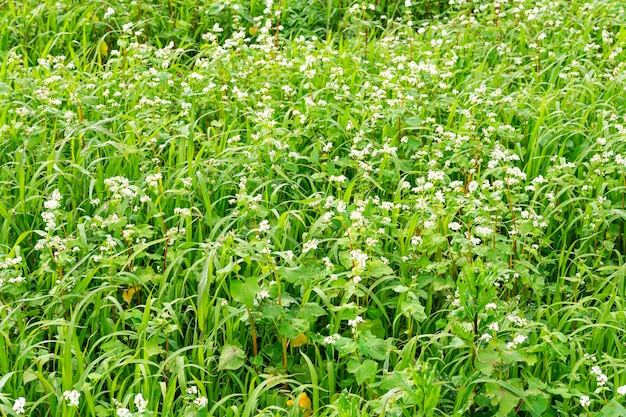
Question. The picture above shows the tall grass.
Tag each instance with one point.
(261, 208)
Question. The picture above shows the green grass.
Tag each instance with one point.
(289, 209)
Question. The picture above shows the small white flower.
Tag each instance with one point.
(262, 295)
(493, 326)
(585, 401)
(110, 12)
(140, 403)
(72, 397)
(310, 245)
(622, 390)
(123, 412)
(486, 337)
(18, 407)
(454, 226)
(192, 390)
(357, 320)
(264, 226)
(201, 401)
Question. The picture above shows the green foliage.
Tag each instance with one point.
(329, 208)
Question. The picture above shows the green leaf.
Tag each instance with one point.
(414, 309)
(293, 327)
(538, 404)
(613, 409)
(502, 397)
(487, 360)
(310, 311)
(245, 291)
(372, 346)
(232, 357)
(376, 268)
(153, 348)
(362, 370)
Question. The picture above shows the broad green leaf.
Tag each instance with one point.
(293, 327)
(232, 357)
(376, 268)
(502, 397)
(372, 346)
(413, 308)
(362, 370)
(311, 311)
(245, 291)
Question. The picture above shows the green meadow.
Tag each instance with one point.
(312, 208)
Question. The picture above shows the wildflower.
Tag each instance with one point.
(109, 12)
(140, 403)
(192, 390)
(585, 401)
(332, 339)
(622, 390)
(201, 401)
(262, 295)
(454, 226)
(72, 397)
(310, 245)
(264, 226)
(18, 407)
(153, 180)
(359, 259)
(491, 306)
(123, 412)
(54, 202)
(486, 337)
(357, 320)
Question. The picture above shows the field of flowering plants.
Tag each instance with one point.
(305, 208)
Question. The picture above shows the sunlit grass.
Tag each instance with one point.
(342, 209)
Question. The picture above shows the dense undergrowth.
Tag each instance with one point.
(330, 208)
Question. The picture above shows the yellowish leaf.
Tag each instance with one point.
(299, 340)
(253, 30)
(104, 49)
(127, 295)
(304, 402)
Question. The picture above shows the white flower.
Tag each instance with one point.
(153, 180)
(262, 295)
(332, 339)
(264, 226)
(140, 403)
(201, 401)
(494, 326)
(491, 306)
(483, 231)
(622, 390)
(110, 12)
(585, 401)
(454, 226)
(18, 407)
(357, 320)
(72, 397)
(192, 390)
(486, 337)
(359, 259)
(123, 412)
(310, 245)
(54, 202)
